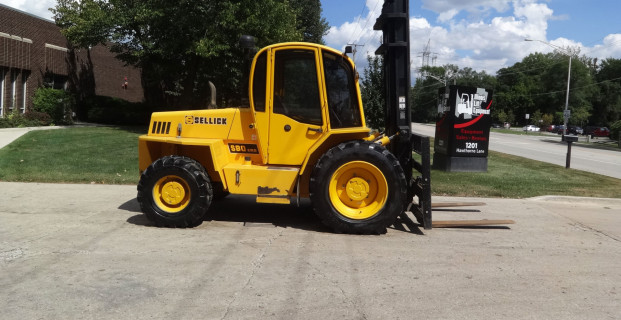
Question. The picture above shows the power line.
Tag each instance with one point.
(371, 14)
(364, 6)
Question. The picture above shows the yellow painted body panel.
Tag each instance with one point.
(290, 147)
(211, 153)
(266, 181)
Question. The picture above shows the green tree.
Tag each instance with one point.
(500, 116)
(607, 108)
(536, 118)
(539, 82)
(310, 22)
(424, 93)
(372, 92)
(519, 86)
(547, 119)
(472, 78)
(179, 45)
(582, 89)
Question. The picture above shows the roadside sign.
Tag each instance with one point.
(567, 114)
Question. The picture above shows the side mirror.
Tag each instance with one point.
(247, 42)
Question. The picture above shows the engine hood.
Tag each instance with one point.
(214, 124)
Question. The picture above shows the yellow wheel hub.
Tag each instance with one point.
(171, 194)
(358, 190)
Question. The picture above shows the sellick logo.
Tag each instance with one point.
(205, 120)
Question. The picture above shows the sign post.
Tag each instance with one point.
(462, 133)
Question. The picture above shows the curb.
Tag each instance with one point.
(568, 199)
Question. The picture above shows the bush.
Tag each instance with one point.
(108, 110)
(56, 103)
(615, 130)
(29, 119)
(41, 118)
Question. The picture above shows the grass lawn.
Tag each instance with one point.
(76, 155)
(110, 156)
(511, 176)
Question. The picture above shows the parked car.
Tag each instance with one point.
(496, 125)
(530, 127)
(550, 128)
(574, 130)
(559, 129)
(588, 130)
(601, 132)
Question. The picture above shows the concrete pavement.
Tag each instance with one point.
(8, 135)
(85, 251)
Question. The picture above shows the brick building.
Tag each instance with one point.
(33, 54)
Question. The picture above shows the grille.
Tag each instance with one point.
(160, 127)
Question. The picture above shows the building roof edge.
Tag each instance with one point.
(26, 13)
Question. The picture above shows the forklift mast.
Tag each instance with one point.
(394, 22)
(395, 25)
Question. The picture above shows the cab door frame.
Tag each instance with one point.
(286, 134)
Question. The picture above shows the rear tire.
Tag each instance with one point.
(175, 191)
(358, 187)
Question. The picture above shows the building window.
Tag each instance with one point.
(24, 91)
(55, 81)
(13, 102)
(2, 74)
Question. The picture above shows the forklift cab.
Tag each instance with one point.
(299, 94)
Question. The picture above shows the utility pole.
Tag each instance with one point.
(567, 112)
(355, 49)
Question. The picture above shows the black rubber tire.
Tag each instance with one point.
(196, 179)
(374, 154)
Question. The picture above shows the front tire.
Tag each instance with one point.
(175, 191)
(358, 187)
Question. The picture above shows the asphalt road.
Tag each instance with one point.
(549, 149)
(86, 252)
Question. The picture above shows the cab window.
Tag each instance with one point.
(341, 89)
(258, 82)
(296, 89)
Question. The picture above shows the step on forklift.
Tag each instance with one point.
(303, 135)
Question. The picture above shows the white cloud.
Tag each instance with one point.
(439, 6)
(447, 9)
(610, 47)
(38, 8)
(473, 42)
(447, 15)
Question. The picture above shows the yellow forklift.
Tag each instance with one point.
(302, 136)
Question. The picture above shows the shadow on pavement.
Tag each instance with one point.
(236, 208)
(131, 206)
(244, 209)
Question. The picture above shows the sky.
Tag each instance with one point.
(485, 35)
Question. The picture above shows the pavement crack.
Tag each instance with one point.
(337, 285)
(595, 230)
(256, 265)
